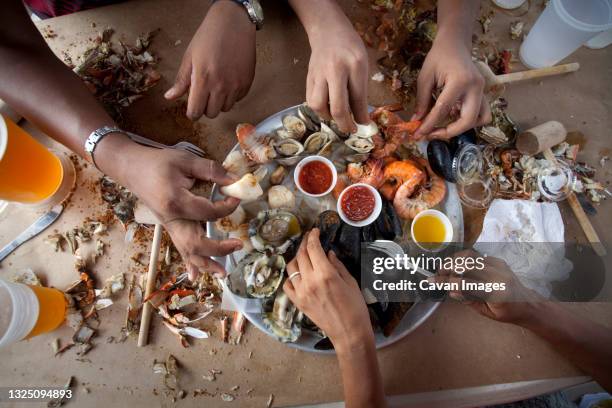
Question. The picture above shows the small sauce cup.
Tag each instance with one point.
(375, 212)
(309, 159)
(431, 230)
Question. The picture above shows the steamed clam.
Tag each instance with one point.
(289, 151)
(261, 274)
(295, 126)
(284, 319)
(359, 144)
(316, 142)
(274, 230)
(309, 117)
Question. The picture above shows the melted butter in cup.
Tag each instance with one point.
(431, 230)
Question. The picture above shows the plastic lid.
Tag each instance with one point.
(24, 311)
(555, 183)
(467, 163)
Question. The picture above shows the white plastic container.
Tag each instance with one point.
(562, 28)
(15, 326)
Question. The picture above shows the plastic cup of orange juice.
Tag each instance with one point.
(29, 172)
(28, 311)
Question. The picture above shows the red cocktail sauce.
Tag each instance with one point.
(358, 203)
(315, 177)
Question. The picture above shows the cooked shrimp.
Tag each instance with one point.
(255, 146)
(395, 130)
(370, 172)
(508, 157)
(342, 183)
(400, 172)
(408, 205)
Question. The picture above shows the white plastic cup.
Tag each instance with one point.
(19, 310)
(562, 28)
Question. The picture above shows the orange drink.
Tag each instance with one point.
(29, 173)
(28, 311)
(51, 310)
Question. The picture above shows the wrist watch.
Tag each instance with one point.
(254, 10)
(95, 137)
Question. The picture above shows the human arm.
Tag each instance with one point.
(39, 86)
(449, 66)
(326, 292)
(336, 86)
(583, 342)
(219, 65)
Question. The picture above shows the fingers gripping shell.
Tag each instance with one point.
(245, 189)
(231, 222)
(237, 163)
(274, 230)
(260, 273)
(309, 117)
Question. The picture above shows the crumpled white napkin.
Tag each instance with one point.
(529, 236)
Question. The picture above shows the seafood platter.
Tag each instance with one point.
(297, 171)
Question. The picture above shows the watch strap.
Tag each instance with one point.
(95, 137)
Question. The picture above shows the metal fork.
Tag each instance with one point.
(186, 146)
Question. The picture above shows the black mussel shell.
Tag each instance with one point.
(329, 223)
(369, 233)
(456, 143)
(390, 318)
(324, 344)
(347, 247)
(441, 160)
(388, 224)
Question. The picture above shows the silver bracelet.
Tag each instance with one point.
(95, 137)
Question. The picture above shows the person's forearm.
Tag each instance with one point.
(456, 19)
(583, 342)
(316, 15)
(361, 375)
(40, 87)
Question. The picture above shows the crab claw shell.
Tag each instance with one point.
(245, 189)
(237, 163)
(255, 146)
(231, 222)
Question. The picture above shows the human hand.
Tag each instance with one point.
(448, 66)
(219, 64)
(326, 292)
(515, 304)
(162, 179)
(336, 86)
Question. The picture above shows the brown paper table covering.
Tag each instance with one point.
(455, 348)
